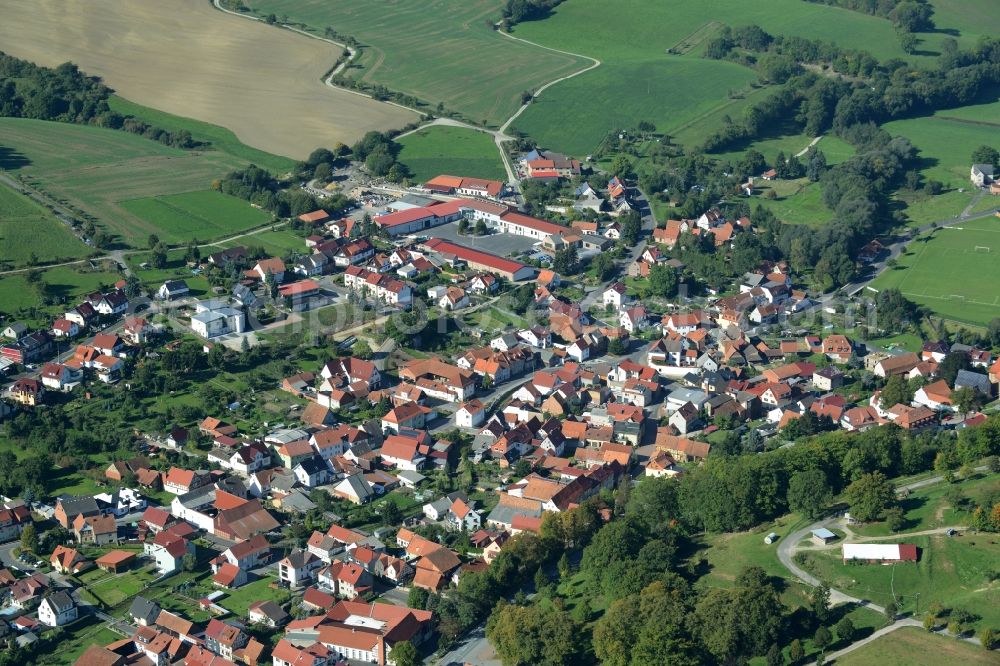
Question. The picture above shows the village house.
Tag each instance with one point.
(57, 609)
(298, 568)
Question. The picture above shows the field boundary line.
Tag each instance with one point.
(595, 63)
(328, 78)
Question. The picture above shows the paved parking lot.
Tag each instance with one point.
(501, 244)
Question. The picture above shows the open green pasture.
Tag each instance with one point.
(953, 571)
(451, 150)
(672, 92)
(436, 50)
(22, 294)
(911, 646)
(93, 170)
(637, 73)
(952, 271)
(947, 139)
(29, 232)
(196, 215)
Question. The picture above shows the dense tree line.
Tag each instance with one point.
(908, 15)
(736, 493)
(66, 94)
(517, 11)
(817, 104)
(262, 189)
(379, 154)
(857, 192)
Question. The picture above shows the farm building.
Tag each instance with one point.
(883, 553)
(482, 261)
(823, 536)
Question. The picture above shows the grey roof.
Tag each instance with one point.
(980, 383)
(361, 488)
(176, 285)
(695, 396)
(286, 435)
(244, 294)
(283, 480)
(412, 477)
(74, 506)
(197, 497)
(298, 558)
(60, 601)
(824, 533)
(441, 505)
(144, 609)
(313, 465)
(505, 514)
(986, 169)
(272, 610)
(297, 501)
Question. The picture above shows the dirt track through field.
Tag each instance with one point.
(188, 59)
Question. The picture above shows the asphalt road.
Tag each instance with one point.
(474, 649)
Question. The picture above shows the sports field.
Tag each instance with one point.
(638, 74)
(436, 50)
(954, 272)
(911, 646)
(196, 215)
(186, 58)
(27, 230)
(93, 170)
(451, 150)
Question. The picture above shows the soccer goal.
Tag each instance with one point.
(983, 248)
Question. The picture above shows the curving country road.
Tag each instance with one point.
(788, 546)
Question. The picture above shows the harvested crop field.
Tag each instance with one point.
(186, 58)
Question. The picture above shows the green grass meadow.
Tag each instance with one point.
(911, 646)
(670, 91)
(94, 170)
(686, 94)
(953, 571)
(436, 50)
(947, 139)
(27, 230)
(196, 215)
(453, 151)
(950, 272)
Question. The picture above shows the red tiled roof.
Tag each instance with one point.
(477, 256)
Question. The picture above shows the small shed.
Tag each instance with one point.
(116, 561)
(771, 538)
(823, 536)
